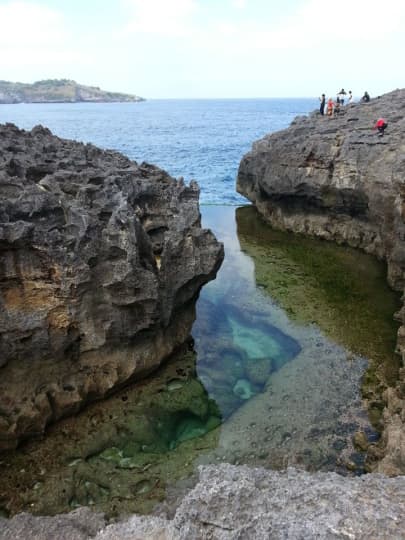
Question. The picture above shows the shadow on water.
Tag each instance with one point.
(273, 379)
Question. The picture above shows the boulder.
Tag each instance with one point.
(102, 260)
(337, 179)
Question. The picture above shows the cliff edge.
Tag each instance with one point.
(337, 179)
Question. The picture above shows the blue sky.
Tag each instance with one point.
(207, 48)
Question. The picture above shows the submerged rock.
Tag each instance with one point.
(189, 429)
(102, 261)
(258, 370)
(243, 389)
(337, 179)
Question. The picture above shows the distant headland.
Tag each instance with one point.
(58, 91)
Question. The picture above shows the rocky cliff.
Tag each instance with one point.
(58, 91)
(336, 178)
(102, 260)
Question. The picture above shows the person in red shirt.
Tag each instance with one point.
(380, 125)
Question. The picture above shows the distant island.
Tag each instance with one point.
(58, 91)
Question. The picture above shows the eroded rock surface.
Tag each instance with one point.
(238, 502)
(102, 260)
(336, 178)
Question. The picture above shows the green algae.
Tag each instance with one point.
(114, 455)
(341, 290)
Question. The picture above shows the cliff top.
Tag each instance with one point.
(355, 120)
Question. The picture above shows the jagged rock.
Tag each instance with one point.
(337, 179)
(102, 260)
(230, 503)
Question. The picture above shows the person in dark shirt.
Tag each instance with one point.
(366, 97)
(322, 99)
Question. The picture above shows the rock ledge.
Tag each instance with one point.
(231, 503)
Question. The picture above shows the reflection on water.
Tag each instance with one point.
(341, 289)
(273, 380)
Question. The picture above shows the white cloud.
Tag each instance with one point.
(35, 43)
(312, 26)
(370, 20)
(29, 24)
(163, 17)
(32, 36)
(239, 4)
(208, 50)
(204, 48)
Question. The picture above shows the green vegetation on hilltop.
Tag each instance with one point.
(58, 91)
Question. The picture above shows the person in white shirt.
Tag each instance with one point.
(341, 96)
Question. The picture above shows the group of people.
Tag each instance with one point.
(333, 107)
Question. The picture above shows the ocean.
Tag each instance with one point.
(202, 140)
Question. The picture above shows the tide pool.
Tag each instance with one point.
(272, 376)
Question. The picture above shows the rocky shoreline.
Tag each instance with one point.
(102, 262)
(335, 178)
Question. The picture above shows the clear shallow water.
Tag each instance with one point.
(258, 387)
(281, 340)
(197, 139)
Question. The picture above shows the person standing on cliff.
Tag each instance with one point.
(380, 126)
(329, 108)
(350, 98)
(341, 97)
(366, 97)
(322, 99)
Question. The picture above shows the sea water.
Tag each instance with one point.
(196, 139)
(282, 338)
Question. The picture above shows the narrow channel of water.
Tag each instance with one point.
(281, 343)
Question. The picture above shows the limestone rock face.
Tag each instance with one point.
(102, 260)
(336, 178)
(231, 503)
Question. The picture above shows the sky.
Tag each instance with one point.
(207, 48)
